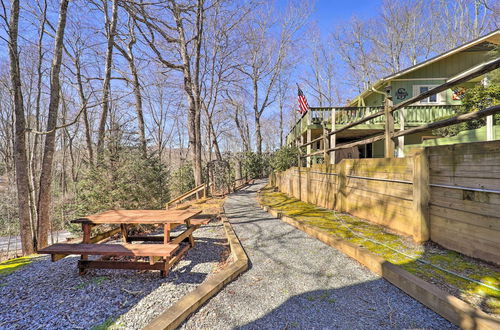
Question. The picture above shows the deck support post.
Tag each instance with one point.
(309, 147)
(389, 128)
(401, 139)
(490, 133)
(326, 146)
(333, 138)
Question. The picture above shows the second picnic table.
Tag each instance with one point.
(161, 256)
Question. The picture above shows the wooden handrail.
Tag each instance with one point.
(188, 194)
(438, 124)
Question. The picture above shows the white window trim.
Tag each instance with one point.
(440, 97)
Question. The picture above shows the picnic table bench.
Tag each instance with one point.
(161, 256)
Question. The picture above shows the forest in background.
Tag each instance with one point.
(124, 103)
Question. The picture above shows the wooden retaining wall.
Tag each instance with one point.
(412, 195)
(378, 189)
(466, 220)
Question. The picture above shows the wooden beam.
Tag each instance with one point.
(184, 235)
(103, 236)
(108, 264)
(55, 257)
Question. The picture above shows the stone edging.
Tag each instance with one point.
(173, 316)
(450, 307)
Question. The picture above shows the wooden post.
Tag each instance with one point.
(299, 166)
(124, 230)
(490, 133)
(401, 139)
(333, 138)
(166, 233)
(341, 199)
(87, 230)
(309, 147)
(421, 196)
(326, 146)
(389, 128)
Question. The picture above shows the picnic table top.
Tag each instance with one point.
(139, 217)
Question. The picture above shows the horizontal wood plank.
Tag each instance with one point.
(139, 217)
(141, 250)
(492, 223)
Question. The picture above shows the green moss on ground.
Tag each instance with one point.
(385, 244)
(9, 266)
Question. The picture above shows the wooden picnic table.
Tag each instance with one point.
(168, 218)
(161, 256)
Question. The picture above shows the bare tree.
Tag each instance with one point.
(44, 197)
(128, 54)
(20, 156)
(265, 54)
(110, 26)
(181, 27)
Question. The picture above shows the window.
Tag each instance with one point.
(433, 99)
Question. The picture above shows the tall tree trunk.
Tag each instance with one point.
(129, 56)
(281, 125)
(258, 135)
(191, 88)
(36, 154)
(138, 108)
(85, 115)
(45, 191)
(111, 26)
(20, 156)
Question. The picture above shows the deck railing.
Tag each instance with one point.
(413, 115)
(416, 114)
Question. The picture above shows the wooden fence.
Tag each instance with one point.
(449, 194)
(465, 198)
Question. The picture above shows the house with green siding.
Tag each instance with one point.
(401, 86)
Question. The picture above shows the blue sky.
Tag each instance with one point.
(329, 12)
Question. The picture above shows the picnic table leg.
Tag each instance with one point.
(124, 229)
(86, 228)
(191, 239)
(166, 233)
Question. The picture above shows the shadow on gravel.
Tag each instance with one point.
(52, 295)
(367, 305)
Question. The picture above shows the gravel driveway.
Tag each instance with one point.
(51, 295)
(295, 281)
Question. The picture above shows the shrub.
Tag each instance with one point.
(255, 165)
(182, 180)
(476, 98)
(284, 158)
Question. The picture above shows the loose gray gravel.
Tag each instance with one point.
(51, 295)
(298, 282)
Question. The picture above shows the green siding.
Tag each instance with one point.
(451, 65)
(374, 100)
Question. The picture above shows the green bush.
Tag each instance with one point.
(182, 180)
(284, 158)
(476, 98)
(255, 165)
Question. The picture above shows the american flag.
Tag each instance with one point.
(303, 106)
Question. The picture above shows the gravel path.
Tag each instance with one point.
(51, 295)
(298, 282)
